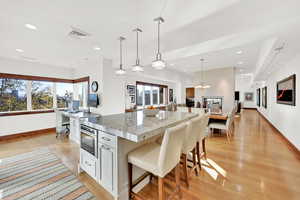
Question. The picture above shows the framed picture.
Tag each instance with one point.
(132, 99)
(131, 89)
(248, 96)
(258, 97)
(286, 91)
(264, 96)
(171, 95)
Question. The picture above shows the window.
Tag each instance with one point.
(81, 93)
(13, 95)
(149, 94)
(155, 97)
(64, 94)
(161, 95)
(39, 94)
(140, 95)
(42, 97)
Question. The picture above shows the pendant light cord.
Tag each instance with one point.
(137, 44)
(158, 38)
(121, 53)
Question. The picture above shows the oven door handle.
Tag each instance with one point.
(88, 133)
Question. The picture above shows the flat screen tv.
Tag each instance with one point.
(93, 100)
(286, 91)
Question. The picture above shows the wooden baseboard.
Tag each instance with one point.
(26, 134)
(290, 145)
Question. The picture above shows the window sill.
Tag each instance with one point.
(3, 114)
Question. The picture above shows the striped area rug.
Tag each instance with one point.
(39, 175)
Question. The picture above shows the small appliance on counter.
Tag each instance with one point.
(93, 100)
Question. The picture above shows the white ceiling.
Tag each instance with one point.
(213, 29)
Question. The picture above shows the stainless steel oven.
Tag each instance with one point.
(89, 139)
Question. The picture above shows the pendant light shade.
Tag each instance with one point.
(137, 67)
(158, 63)
(121, 71)
(202, 84)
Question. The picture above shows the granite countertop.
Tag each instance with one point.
(79, 115)
(135, 126)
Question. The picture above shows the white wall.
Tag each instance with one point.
(23, 123)
(284, 117)
(222, 82)
(243, 84)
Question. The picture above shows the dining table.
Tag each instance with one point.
(220, 116)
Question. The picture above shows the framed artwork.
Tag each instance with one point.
(132, 99)
(258, 97)
(248, 96)
(286, 91)
(264, 96)
(171, 95)
(131, 89)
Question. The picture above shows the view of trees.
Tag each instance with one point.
(42, 97)
(12, 95)
(64, 94)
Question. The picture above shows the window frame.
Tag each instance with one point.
(165, 90)
(29, 80)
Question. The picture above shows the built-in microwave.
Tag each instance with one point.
(89, 140)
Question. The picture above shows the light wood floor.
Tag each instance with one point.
(256, 164)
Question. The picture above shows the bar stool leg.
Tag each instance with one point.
(177, 180)
(185, 170)
(161, 189)
(195, 161)
(129, 180)
(198, 155)
(204, 148)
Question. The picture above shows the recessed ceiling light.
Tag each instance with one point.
(20, 50)
(172, 64)
(30, 26)
(239, 52)
(241, 62)
(97, 48)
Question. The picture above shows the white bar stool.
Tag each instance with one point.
(189, 145)
(159, 160)
(203, 133)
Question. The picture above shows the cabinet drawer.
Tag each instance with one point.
(107, 139)
(88, 164)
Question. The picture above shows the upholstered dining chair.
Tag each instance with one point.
(227, 126)
(159, 160)
(203, 133)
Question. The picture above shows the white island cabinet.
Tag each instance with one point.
(117, 136)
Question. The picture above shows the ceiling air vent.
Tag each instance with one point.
(78, 34)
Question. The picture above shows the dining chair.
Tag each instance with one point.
(227, 126)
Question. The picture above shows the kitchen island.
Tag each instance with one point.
(117, 135)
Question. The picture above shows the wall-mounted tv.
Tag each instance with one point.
(93, 100)
(286, 91)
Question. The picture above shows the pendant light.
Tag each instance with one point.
(158, 63)
(137, 67)
(121, 71)
(202, 84)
